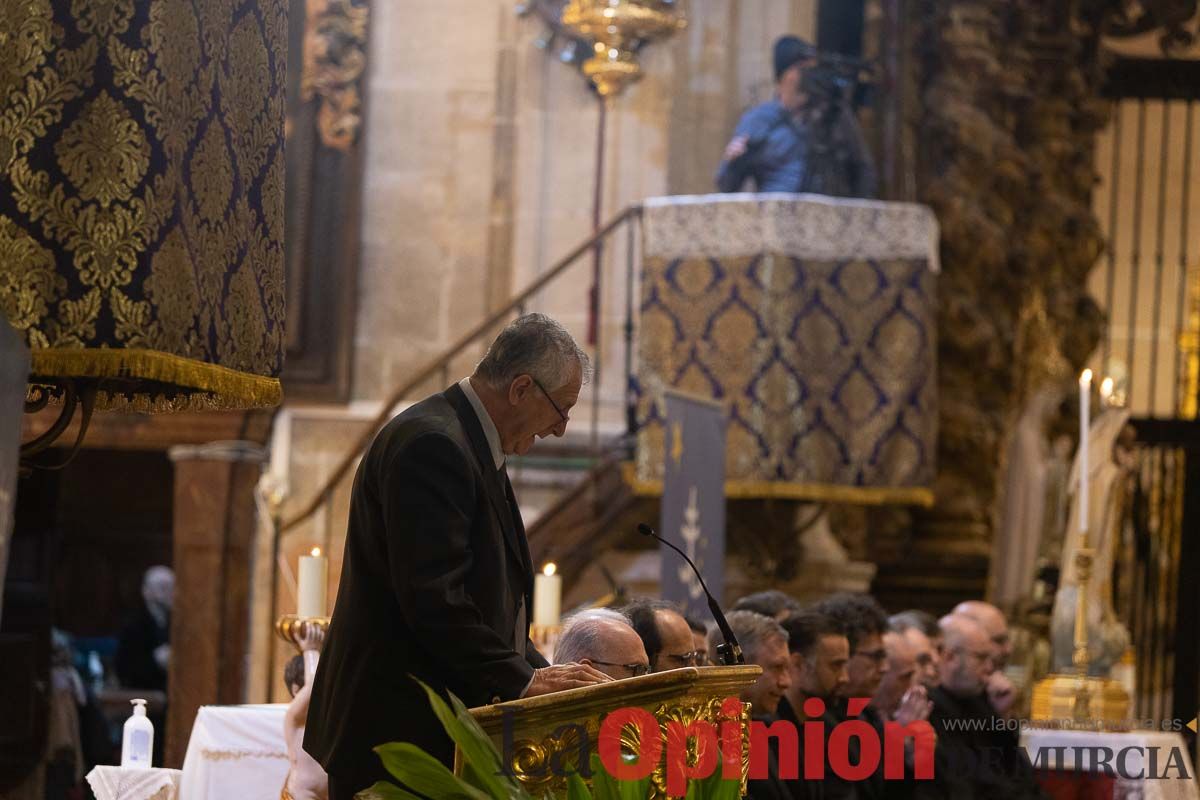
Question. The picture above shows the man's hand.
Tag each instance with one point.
(564, 676)
(736, 148)
(310, 637)
(915, 705)
(1001, 693)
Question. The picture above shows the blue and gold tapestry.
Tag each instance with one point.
(141, 196)
(813, 320)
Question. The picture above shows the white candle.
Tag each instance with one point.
(547, 597)
(1085, 397)
(310, 592)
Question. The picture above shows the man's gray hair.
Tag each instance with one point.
(580, 637)
(752, 630)
(533, 345)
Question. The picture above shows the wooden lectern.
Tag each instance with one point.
(545, 732)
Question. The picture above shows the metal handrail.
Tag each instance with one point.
(441, 361)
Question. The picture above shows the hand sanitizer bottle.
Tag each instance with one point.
(137, 744)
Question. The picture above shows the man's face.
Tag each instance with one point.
(764, 695)
(535, 411)
(622, 653)
(159, 587)
(791, 83)
(898, 676)
(865, 667)
(678, 645)
(926, 657)
(996, 627)
(823, 673)
(967, 664)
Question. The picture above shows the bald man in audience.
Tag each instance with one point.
(978, 757)
(1001, 692)
(602, 638)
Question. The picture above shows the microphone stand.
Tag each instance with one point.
(729, 653)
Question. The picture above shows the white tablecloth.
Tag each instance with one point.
(127, 783)
(1138, 760)
(236, 753)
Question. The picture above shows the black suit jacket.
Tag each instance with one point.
(977, 758)
(435, 567)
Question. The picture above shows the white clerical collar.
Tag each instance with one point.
(485, 420)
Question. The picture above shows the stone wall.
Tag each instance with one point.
(479, 165)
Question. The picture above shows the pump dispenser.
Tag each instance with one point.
(137, 745)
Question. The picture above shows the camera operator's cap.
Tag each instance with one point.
(791, 50)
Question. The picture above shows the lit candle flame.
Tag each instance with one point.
(1086, 378)
(550, 568)
(316, 551)
(1106, 389)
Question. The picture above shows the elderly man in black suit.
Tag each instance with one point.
(436, 579)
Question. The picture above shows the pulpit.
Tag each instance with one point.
(813, 320)
(541, 738)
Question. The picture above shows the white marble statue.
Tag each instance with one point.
(1109, 470)
(1017, 542)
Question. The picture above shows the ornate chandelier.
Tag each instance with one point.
(604, 37)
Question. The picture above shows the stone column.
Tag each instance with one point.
(214, 531)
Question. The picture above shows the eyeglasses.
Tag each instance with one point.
(635, 669)
(691, 659)
(538, 384)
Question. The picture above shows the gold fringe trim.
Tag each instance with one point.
(782, 490)
(200, 386)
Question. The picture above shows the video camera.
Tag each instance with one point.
(836, 79)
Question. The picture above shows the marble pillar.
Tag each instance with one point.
(214, 533)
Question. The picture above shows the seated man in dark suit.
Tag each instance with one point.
(978, 758)
(437, 581)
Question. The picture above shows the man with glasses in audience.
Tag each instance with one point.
(602, 638)
(664, 632)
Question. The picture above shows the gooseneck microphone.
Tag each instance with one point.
(730, 653)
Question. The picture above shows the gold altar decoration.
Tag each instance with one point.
(617, 30)
(542, 728)
(141, 208)
(288, 627)
(1077, 697)
(335, 55)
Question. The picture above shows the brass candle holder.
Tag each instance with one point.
(1090, 701)
(288, 627)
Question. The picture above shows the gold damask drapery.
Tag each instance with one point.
(813, 321)
(141, 196)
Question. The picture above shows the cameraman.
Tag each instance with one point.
(805, 140)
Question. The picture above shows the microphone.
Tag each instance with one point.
(730, 653)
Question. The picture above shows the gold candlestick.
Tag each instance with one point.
(1099, 702)
(288, 627)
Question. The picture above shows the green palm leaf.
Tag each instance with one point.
(423, 773)
(482, 760)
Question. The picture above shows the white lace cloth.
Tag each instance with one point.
(799, 225)
(236, 753)
(127, 783)
(1161, 768)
